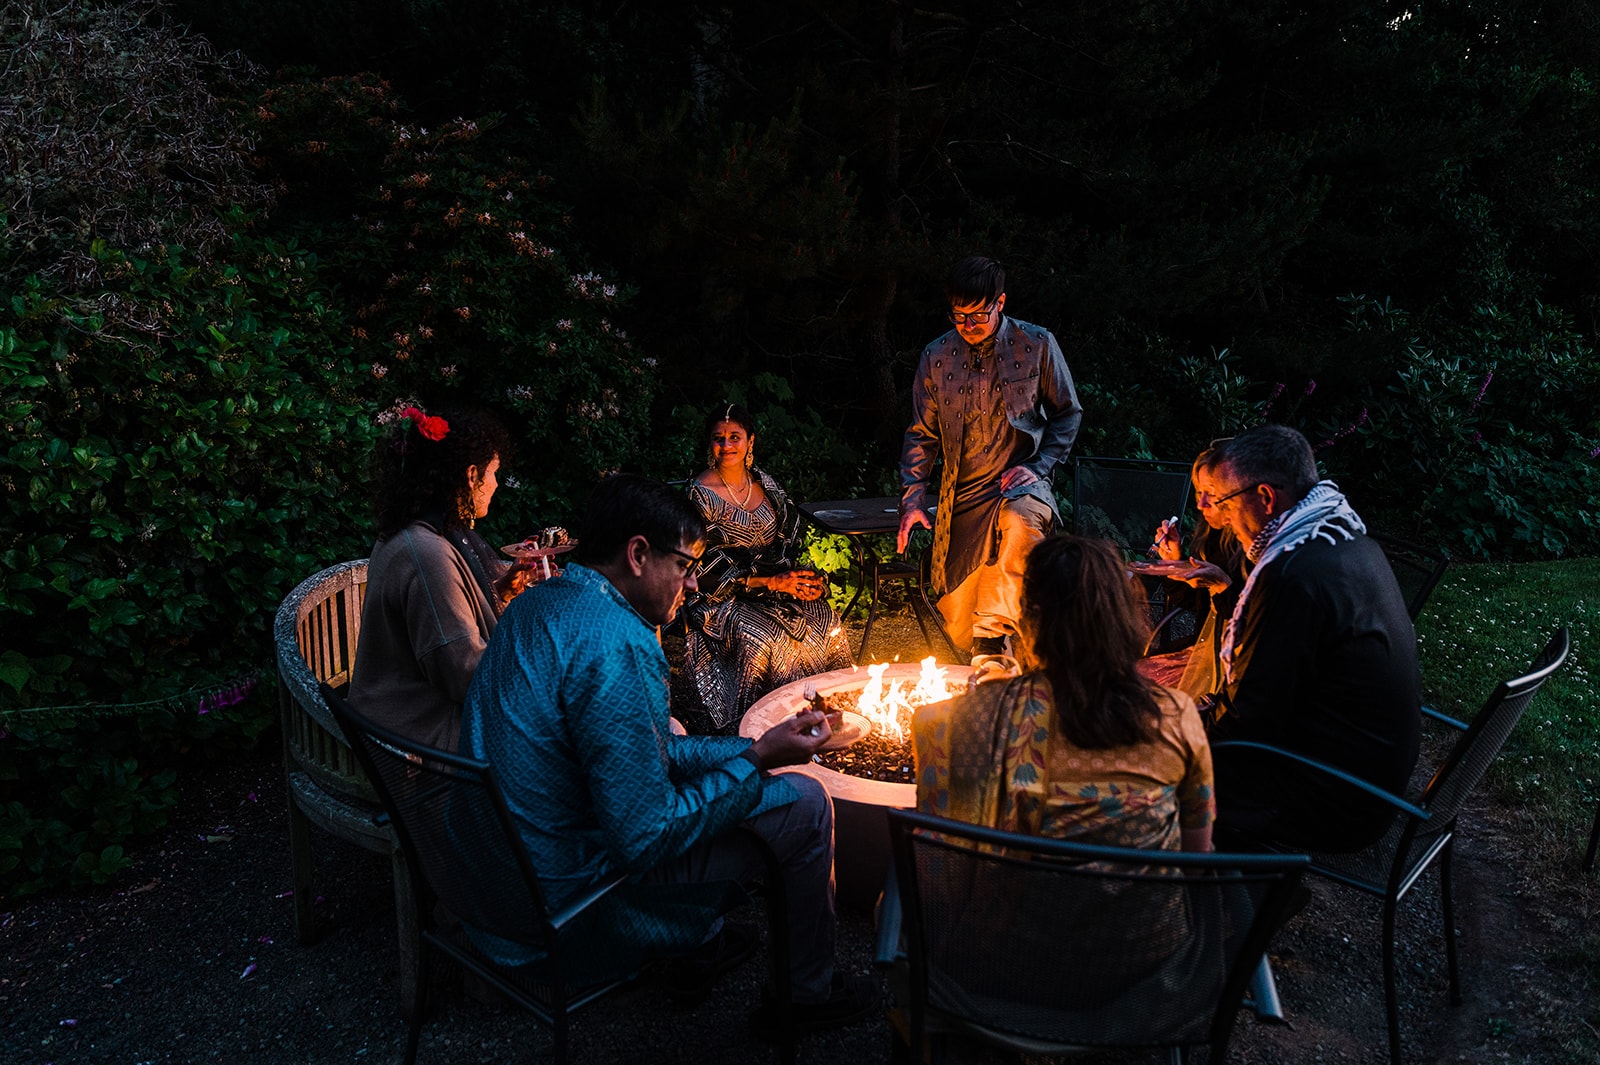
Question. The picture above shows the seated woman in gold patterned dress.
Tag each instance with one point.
(760, 621)
(1078, 746)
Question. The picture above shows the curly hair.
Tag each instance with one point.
(1083, 628)
(413, 475)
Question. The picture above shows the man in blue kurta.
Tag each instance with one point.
(569, 704)
(994, 400)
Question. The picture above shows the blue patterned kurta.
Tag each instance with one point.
(569, 705)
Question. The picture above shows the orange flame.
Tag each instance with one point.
(884, 703)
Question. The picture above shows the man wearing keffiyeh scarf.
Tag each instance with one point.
(1319, 657)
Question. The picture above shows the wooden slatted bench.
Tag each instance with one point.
(315, 634)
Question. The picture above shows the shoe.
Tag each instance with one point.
(853, 999)
(688, 979)
(988, 645)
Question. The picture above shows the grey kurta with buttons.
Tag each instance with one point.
(984, 409)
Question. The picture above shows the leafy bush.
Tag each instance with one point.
(1485, 436)
(166, 489)
(165, 486)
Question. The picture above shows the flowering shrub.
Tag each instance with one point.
(466, 286)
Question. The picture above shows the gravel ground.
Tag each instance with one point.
(191, 957)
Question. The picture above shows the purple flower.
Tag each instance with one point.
(1311, 386)
(1277, 390)
(227, 696)
(1482, 388)
(1361, 419)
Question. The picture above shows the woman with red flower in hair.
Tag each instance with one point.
(435, 588)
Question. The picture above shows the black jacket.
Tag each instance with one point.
(1325, 665)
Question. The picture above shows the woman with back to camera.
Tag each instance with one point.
(1079, 746)
(435, 588)
(760, 620)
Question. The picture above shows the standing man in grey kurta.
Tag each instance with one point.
(994, 399)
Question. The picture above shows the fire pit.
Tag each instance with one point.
(861, 829)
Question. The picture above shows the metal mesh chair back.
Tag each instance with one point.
(1076, 945)
(458, 833)
(1373, 868)
(1474, 751)
(1416, 568)
(1123, 500)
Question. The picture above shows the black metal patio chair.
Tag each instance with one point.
(1594, 842)
(1424, 828)
(1124, 500)
(1417, 568)
(1045, 946)
(465, 852)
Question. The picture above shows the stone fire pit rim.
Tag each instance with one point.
(780, 702)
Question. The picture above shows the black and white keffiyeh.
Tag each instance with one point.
(1323, 513)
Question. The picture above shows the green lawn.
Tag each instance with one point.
(1484, 624)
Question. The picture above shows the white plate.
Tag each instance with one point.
(522, 549)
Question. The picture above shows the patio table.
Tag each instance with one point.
(874, 516)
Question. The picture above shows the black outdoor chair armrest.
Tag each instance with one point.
(584, 901)
(1356, 782)
(889, 950)
(1444, 719)
(1155, 633)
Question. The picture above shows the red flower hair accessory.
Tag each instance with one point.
(430, 427)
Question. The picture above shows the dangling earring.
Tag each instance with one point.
(711, 458)
(750, 457)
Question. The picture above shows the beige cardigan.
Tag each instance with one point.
(424, 626)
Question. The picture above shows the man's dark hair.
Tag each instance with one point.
(626, 505)
(975, 279)
(1271, 454)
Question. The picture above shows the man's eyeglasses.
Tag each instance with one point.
(1199, 497)
(975, 317)
(694, 561)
